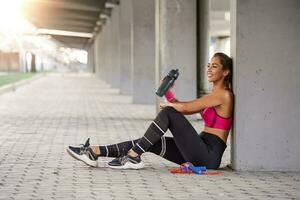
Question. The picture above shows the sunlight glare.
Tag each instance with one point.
(11, 18)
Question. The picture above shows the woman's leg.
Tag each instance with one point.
(115, 150)
(191, 146)
(89, 154)
(165, 147)
(186, 145)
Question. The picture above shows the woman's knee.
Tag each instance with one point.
(169, 115)
(168, 110)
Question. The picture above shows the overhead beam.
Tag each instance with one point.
(66, 28)
(73, 42)
(86, 5)
(61, 14)
(64, 33)
(66, 22)
(62, 19)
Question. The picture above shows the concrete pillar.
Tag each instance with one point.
(97, 54)
(33, 63)
(102, 55)
(177, 44)
(108, 49)
(203, 44)
(91, 58)
(22, 60)
(115, 47)
(126, 66)
(265, 47)
(143, 51)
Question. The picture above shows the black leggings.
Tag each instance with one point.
(186, 145)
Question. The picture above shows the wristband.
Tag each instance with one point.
(169, 95)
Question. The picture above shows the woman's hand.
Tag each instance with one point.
(165, 104)
(177, 106)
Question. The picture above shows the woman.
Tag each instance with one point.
(186, 145)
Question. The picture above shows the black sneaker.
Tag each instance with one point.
(126, 162)
(84, 153)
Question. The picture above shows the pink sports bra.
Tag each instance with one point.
(213, 120)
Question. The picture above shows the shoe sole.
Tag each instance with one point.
(83, 158)
(129, 165)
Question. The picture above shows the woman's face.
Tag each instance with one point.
(215, 70)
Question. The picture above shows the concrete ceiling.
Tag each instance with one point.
(77, 16)
(83, 16)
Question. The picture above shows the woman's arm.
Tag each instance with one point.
(191, 107)
(174, 100)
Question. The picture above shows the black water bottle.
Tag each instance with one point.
(167, 82)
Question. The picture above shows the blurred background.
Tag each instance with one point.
(27, 46)
(55, 35)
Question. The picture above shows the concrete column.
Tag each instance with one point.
(265, 48)
(98, 56)
(33, 63)
(91, 58)
(22, 60)
(143, 51)
(203, 44)
(115, 47)
(177, 44)
(108, 48)
(126, 67)
(103, 55)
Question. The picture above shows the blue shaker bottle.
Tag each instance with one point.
(167, 82)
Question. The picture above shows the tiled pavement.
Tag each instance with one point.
(39, 120)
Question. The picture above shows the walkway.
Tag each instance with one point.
(40, 119)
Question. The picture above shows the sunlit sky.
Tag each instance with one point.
(13, 23)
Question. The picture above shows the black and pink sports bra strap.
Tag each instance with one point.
(213, 120)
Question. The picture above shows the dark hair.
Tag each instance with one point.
(226, 62)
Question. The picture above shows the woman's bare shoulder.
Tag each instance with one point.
(226, 95)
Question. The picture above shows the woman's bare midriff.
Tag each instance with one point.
(223, 134)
